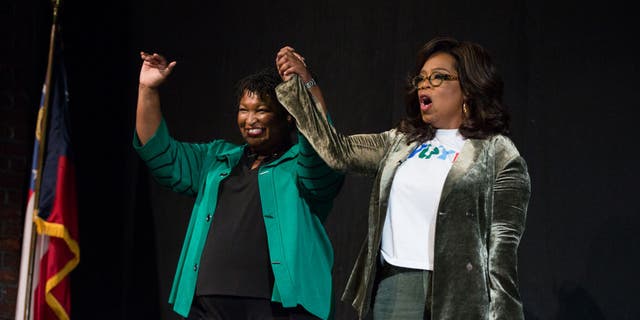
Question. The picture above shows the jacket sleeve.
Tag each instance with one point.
(316, 181)
(511, 192)
(175, 165)
(359, 153)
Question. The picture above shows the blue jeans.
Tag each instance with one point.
(402, 294)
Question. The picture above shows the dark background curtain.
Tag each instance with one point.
(570, 72)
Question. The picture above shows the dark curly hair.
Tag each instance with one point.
(263, 83)
(480, 83)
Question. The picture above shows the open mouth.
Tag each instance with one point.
(425, 102)
(254, 132)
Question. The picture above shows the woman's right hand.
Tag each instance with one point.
(154, 69)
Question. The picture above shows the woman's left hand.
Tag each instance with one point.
(289, 62)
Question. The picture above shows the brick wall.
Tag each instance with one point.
(14, 152)
(22, 62)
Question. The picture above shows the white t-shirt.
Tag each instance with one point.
(409, 228)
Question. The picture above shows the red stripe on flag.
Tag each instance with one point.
(62, 251)
(65, 211)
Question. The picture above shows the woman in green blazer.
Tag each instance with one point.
(255, 246)
(450, 194)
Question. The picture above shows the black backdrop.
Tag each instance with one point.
(570, 71)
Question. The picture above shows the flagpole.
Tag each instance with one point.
(41, 129)
(43, 120)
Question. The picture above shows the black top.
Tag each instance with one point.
(235, 260)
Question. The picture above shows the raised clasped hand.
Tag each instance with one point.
(289, 62)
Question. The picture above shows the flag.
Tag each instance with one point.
(52, 252)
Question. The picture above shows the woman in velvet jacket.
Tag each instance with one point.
(457, 237)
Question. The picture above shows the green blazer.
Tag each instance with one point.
(296, 192)
(481, 214)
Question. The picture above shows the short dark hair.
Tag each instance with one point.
(263, 83)
(480, 83)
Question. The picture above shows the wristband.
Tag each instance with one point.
(310, 83)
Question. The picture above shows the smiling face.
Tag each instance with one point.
(440, 106)
(263, 126)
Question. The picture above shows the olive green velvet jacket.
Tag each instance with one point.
(481, 214)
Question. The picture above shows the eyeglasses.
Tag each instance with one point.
(435, 79)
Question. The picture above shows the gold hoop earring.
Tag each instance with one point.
(465, 109)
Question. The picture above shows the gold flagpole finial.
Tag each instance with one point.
(56, 7)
